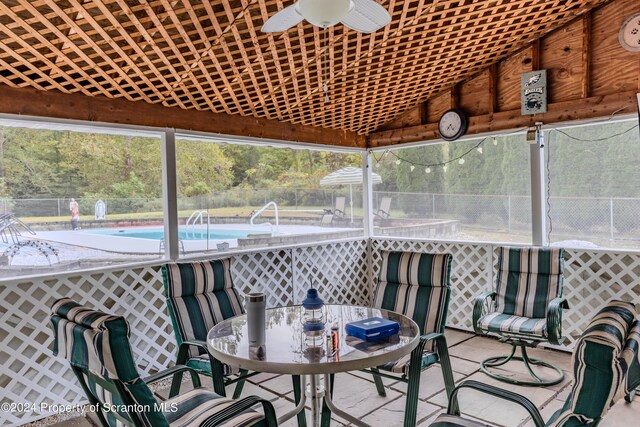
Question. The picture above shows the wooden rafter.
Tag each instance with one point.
(212, 56)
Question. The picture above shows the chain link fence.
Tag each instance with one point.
(602, 219)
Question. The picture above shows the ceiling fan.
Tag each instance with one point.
(365, 16)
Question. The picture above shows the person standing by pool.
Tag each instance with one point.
(75, 213)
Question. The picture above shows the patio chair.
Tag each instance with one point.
(602, 369)
(525, 309)
(338, 210)
(97, 346)
(199, 295)
(417, 285)
(384, 210)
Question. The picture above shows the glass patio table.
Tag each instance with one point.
(288, 350)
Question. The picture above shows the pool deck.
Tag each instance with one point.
(138, 246)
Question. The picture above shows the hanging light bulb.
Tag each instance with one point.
(495, 141)
(461, 162)
(412, 168)
(428, 170)
(480, 150)
(444, 168)
(398, 162)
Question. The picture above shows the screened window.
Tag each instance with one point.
(474, 190)
(234, 197)
(77, 198)
(594, 185)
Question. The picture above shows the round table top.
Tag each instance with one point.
(288, 350)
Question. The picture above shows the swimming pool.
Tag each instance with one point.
(157, 233)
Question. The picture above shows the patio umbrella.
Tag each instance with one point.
(348, 176)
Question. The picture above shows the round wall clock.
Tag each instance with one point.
(629, 35)
(452, 125)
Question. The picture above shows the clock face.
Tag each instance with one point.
(629, 34)
(452, 125)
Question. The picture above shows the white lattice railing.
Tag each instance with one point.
(341, 270)
(592, 278)
(28, 372)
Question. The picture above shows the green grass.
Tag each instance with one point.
(220, 212)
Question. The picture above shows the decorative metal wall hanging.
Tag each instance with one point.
(534, 92)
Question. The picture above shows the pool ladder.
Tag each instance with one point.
(264, 208)
(198, 215)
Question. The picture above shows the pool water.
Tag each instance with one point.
(157, 233)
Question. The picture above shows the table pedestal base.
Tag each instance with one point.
(316, 391)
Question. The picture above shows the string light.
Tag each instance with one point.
(478, 147)
(399, 160)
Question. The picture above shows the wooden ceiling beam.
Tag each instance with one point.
(54, 104)
(577, 109)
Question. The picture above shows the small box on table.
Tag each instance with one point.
(372, 329)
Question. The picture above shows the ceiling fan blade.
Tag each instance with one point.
(283, 20)
(367, 16)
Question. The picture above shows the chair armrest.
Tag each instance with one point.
(496, 392)
(479, 309)
(239, 407)
(554, 320)
(424, 340)
(217, 370)
(183, 350)
(195, 378)
(430, 337)
(196, 343)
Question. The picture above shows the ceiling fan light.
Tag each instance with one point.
(324, 13)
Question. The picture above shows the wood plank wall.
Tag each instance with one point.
(589, 75)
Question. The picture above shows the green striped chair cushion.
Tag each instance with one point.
(199, 295)
(194, 407)
(596, 366)
(98, 345)
(92, 340)
(107, 393)
(630, 359)
(505, 323)
(528, 279)
(416, 285)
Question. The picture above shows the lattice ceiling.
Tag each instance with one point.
(211, 55)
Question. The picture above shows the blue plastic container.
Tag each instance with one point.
(372, 329)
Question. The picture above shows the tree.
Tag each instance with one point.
(99, 161)
(203, 168)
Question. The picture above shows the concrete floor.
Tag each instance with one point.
(356, 393)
